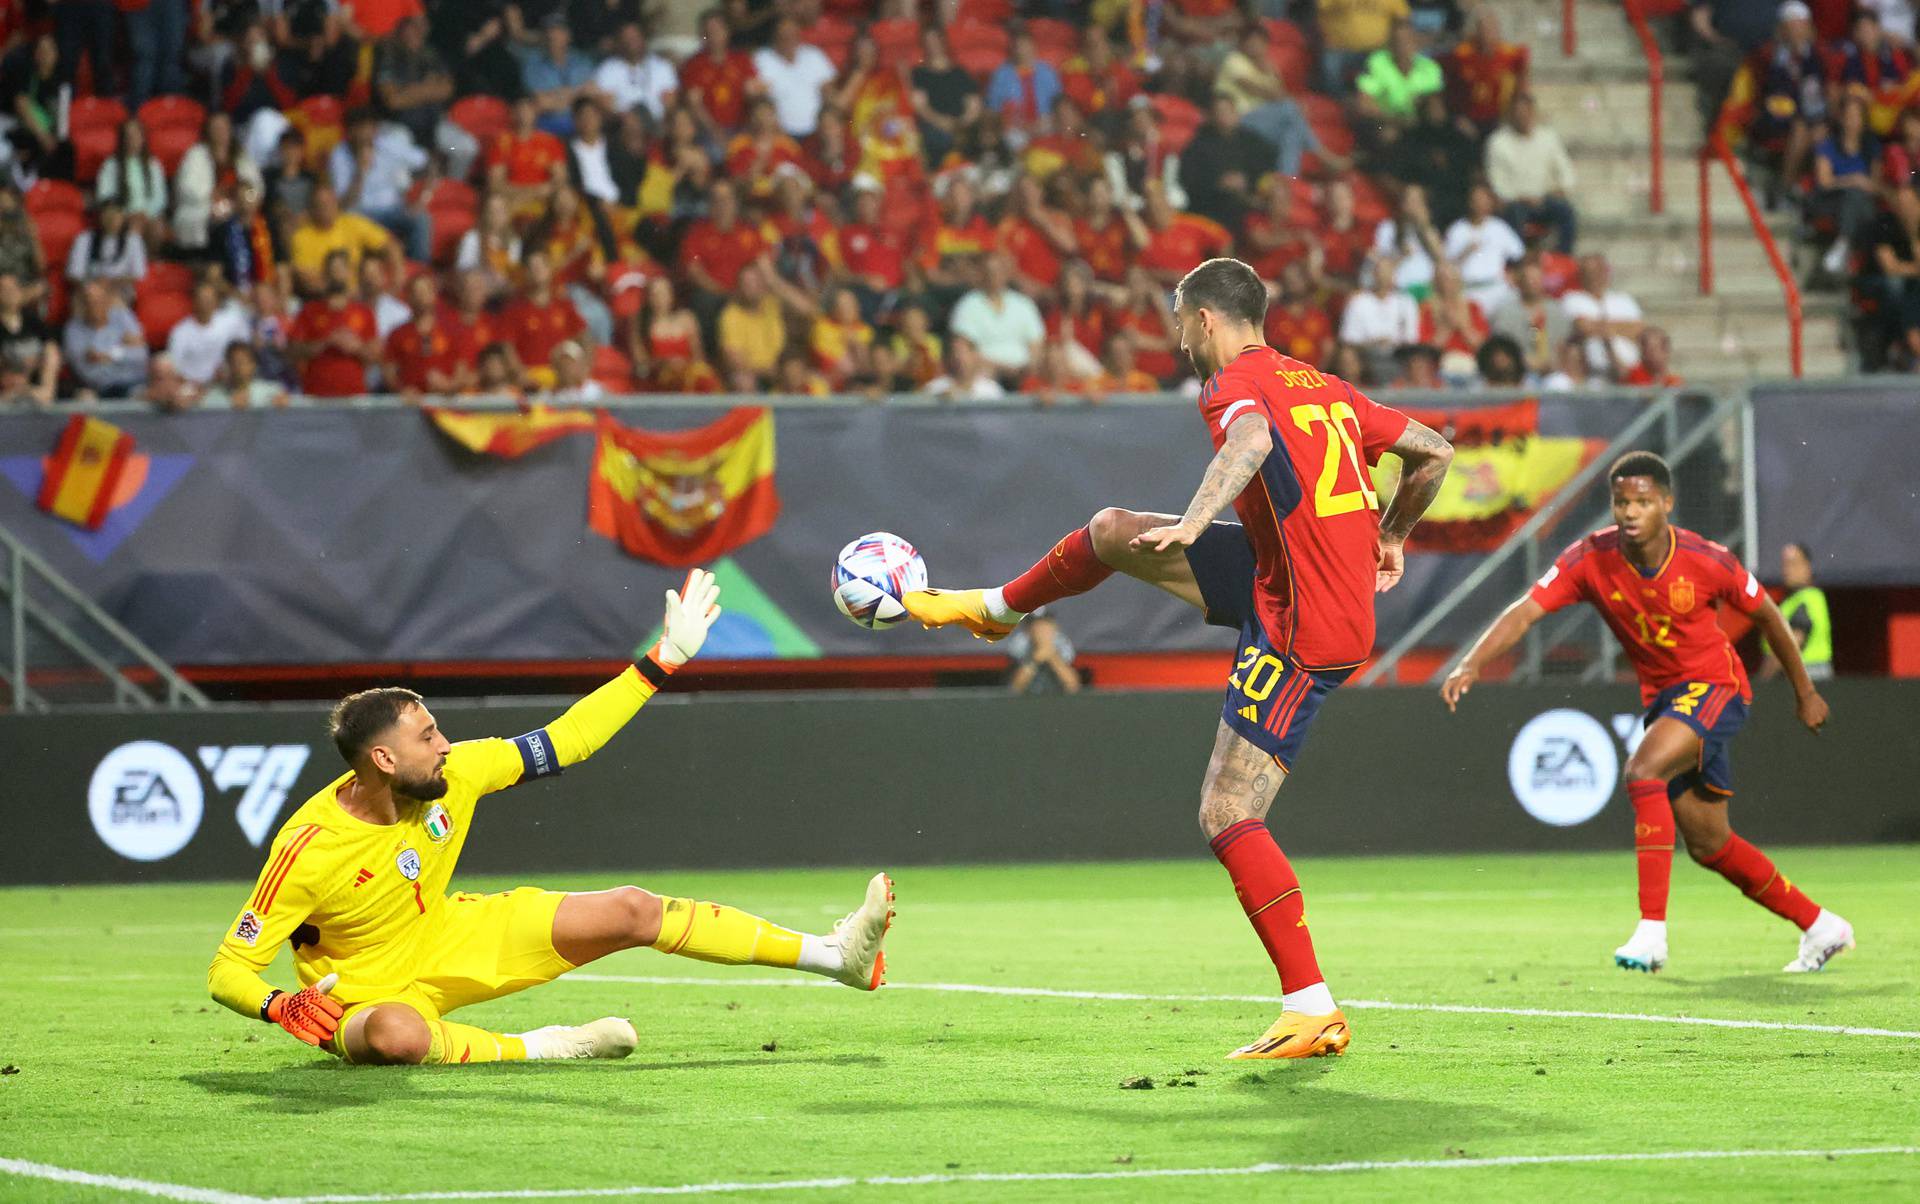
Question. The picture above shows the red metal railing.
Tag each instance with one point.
(1717, 148)
(1656, 82)
(1569, 39)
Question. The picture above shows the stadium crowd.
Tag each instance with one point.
(244, 202)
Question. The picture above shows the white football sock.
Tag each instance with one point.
(818, 955)
(1315, 1000)
(997, 608)
(1656, 929)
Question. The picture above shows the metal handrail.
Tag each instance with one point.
(23, 563)
(1549, 512)
(1569, 37)
(1656, 81)
(1717, 148)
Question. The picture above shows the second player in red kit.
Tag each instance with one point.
(1295, 577)
(1657, 586)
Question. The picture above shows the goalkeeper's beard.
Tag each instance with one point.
(421, 789)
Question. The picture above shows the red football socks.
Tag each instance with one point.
(1652, 845)
(1269, 893)
(1070, 568)
(1754, 873)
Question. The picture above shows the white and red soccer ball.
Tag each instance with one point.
(871, 574)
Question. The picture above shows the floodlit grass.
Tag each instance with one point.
(126, 1068)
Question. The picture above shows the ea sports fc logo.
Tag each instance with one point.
(1563, 767)
(145, 800)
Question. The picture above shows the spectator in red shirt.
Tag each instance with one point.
(525, 161)
(1108, 236)
(1097, 79)
(717, 82)
(470, 311)
(334, 338)
(760, 150)
(1273, 236)
(1484, 73)
(1177, 242)
(1452, 324)
(869, 259)
(1036, 237)
(1079, 318)
(716, 247)
(540, 319)
(1123, 374)
(950, 251)
(1297, 323)
(428, 355)
(1148, 320)
(1656, 361)
(1344, 239)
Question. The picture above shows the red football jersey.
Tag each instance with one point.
(1311, 513)
(332, 372)
(1665, 621)
(414, 353)
(537, 329)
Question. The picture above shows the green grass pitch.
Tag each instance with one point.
(125, 1068)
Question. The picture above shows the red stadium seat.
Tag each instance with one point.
(985, 12)
(92, 146)
(90, 112)
(1370, 205)
(1329, 124)
(322, 120)
(59, 299)
(1054, 41)
(453, 194)
(170, 144)
(1294, 62)
(48, 195)
(448, 227)
(1179, 118)
(58, 228)
(168, 112)
(1285, 33)
(612, 371)
(978, 48)
(159, 313)
(485, 117)
(834, 36)
(166, 276)
(898, 41)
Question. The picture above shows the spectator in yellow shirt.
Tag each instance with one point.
(328, 229)
(753, 332)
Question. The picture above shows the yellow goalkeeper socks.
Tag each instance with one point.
(454, 1043)
(713, 932)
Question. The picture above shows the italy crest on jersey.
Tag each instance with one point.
(1680, 596)
(439, 824)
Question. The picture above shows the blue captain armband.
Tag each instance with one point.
(538, 757)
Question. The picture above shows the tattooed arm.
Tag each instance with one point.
(1246, 448)
(1425, 458)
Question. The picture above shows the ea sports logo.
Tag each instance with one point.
(1563, 767)
(145, 800)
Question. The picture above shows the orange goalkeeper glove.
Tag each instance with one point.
(310, 1014)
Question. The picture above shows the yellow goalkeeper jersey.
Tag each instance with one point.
(362, 899)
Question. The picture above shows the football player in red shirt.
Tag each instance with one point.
(1656, 584)
(1296, 576)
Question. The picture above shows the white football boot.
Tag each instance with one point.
(1829, 937)
(1645, 950)
(863, 965)
(607, 1037)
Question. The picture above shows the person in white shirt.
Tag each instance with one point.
(112, 250)
(390, 313)
(794, 72)
(197, 344)
(635, 77)
(1607, 319)
(372, 169)
(1003, 324)
(241, 388)
(587, 149)
(967, 378)
(1380, 320)
(1481, 246)
(1896, 18)
(1409, 240)
(1529, 168)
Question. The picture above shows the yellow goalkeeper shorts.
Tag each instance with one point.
(487, 946)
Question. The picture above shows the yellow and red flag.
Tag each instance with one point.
(509, 435)
(84, 472)
(1503, 469)
(685, 497)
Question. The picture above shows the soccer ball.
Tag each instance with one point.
(871, 574)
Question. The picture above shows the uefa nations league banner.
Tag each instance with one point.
(897, 780)
(359, 535)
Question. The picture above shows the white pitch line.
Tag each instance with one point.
(142, 1187)
(1384, 1005)
(1261, 1168)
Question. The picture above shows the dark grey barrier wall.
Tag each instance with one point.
(723, 781)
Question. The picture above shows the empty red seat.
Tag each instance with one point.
(92, 146)
(485, 117)
(170, 144)
(1054, 41)
(978, 48)
(159, 313)
(58, 229)
(1179, 118)
(897, 40)
(88, 112)
(47, 195)
(165, 112)
(986, 12)
(166, 276)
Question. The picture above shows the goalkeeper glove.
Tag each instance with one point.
(690, 613)
(310, 1014)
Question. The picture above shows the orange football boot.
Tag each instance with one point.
(948, 607)
(1296, 1035)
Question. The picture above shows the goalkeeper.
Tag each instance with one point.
(357, 881)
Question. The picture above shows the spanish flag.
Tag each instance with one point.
(686, 497)
(509, 435)
(1503, 470)
(85, 470)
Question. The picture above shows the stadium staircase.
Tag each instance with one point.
(1598, 101)
(59, 650)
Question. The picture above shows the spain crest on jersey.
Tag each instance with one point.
(1680, 596)
(439, 824)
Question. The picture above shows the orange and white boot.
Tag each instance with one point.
(858, 937)
(968, 608)
(1297, 1035)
